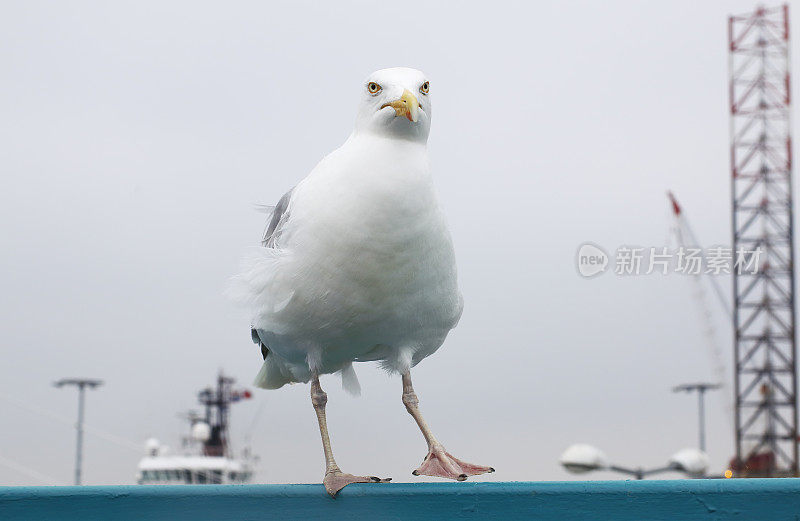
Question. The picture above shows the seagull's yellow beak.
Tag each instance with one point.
(407, 105)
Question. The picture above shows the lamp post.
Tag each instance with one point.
(81, 384)
(581, 458)
(701, 389)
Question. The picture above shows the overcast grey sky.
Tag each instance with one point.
(137, 137)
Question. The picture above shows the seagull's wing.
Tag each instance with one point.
(276, 221)
(270, 376)
(257, 340)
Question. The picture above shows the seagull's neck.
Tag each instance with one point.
(384, 139)
(385, 163)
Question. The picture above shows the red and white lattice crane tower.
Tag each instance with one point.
(763, 311)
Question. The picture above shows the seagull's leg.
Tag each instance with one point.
(335, 480)
(438, 463)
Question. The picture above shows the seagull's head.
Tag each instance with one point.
(396, 103)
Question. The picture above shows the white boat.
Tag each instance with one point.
(206, 457)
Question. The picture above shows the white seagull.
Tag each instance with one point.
(358, 265)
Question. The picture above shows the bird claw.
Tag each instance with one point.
(441, 464)
(335, 481)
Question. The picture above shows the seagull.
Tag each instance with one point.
(357, 265)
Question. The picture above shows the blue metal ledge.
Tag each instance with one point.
(684, 500)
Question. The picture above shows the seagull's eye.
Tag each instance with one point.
(425, 87)
(373, 87)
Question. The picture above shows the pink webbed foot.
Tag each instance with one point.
(441, 464)
(336, 480)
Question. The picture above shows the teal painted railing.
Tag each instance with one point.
(684, 500)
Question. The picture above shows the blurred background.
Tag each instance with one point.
(138, 137)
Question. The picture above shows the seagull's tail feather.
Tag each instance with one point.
(273, 374)
(350, 380)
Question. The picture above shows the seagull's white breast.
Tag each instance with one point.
(366, 259)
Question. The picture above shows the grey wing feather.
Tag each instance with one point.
(280, 214)
(257, 340)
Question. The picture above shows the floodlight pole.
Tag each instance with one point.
(81, 384)
(701, 389)
(640, 473)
